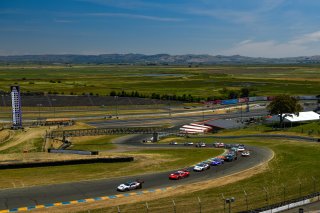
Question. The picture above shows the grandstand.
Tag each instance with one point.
(72, 100)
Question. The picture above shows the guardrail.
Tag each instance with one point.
(304, 138)
(278, 207)
(106, 131)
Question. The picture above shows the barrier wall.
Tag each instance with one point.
(65, 162)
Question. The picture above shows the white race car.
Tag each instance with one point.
(188, 143)
(201, 167)
(201, 144)
(130, 186)
(241, 148)
(245, 154)
(173, 143)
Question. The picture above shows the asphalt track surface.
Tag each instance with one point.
(20, 197)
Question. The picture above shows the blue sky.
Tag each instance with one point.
(266, 28)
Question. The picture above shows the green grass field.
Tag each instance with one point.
(197, 81)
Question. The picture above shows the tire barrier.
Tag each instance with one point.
(278, 207)
(66, 162)
(71, 151)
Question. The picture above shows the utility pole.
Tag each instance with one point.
(203, 112)
(54, 110)
(241, 111)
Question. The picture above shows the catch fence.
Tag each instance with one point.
(240, 199)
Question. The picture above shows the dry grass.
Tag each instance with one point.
(4, 134)
(24, 136)
(48, 157)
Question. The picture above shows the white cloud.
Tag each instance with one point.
(226, 15)
(307, 38)
(62, 21)
(305, 45)
(248, 16)
(136, 16)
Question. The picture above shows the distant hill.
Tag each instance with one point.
(158, 59)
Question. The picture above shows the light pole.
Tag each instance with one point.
(229, 201)
(284, 192)
(116, 99)
(267, 195)
(246, 195)
(224, 203)
(39, 117)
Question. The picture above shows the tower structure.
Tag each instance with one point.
(16, 107)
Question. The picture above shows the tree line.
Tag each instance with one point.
(224, 94)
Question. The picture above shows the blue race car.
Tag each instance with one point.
(216, 162)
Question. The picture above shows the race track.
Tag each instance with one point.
(19, 197)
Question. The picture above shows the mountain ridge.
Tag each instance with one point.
(156, 59)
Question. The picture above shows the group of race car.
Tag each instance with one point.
(234, 150)
(230, 155)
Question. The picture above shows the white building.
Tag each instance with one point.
(292, 118)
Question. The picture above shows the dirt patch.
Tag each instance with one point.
(77, 125)
(24, 135)
(4, 135)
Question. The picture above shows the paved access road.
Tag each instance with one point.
(20, 197)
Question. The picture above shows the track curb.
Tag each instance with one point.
(87, 200)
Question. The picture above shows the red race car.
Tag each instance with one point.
(179, 175)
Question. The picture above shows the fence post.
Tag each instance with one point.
(267, 195)
(200, 207)
(174, 206)
(300, 187)
(224, 202)
(118, 209)
(147, 207)
(314, 184)
(284, 192)
(246, 195)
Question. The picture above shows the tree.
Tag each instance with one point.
(283, 105)
(244, 92)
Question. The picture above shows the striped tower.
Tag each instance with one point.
(16, 107)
